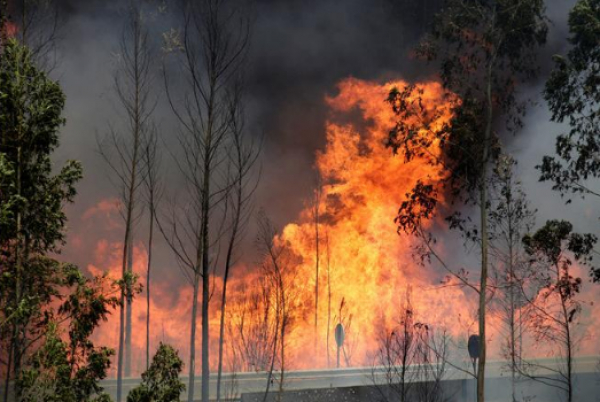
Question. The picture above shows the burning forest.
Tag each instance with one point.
(241, 200)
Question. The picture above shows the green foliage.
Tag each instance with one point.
(483, 50)
(160, 383)
(31, 107)
(555, 237)
(32, 219)
(573, 94)
(48, 309)
(69, 368)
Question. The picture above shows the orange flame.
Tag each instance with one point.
(364, 265)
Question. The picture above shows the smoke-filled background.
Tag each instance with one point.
(300, 53)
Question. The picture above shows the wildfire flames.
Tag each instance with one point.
(365, 267)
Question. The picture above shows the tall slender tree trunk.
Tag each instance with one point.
(128, 310)
(511, 289)
(228, 261)
(205, 258)
(328, 297)
(482, 297)
(121, 343)
(317, 202)
(124, 295)
(148, 272)
(568, 344)
(192, 365)
(222, 334)
(483, 209)
(127, 269)
(273, 354)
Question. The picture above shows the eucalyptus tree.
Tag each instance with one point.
(211, 52)
(483, 49)
(511, 218)
(32, 219)
(123, 151)
(553, 310)
(573, 94)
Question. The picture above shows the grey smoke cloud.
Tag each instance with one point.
(300, 50)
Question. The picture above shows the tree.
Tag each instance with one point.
(123, 152)
(253, 324)
(69, 370)
(212, 50)
(160, 382)
(412, 359)
(573, 94)
(278, 271)
(316, 216)
(242, 159)
(483, 49)
(510, 219)
(396, 355)
(554, 309)
(32, 201)
(154, 191)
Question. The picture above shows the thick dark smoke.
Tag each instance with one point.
(300, 50)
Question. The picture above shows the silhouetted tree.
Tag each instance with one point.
(482, 49)
(573, 94)
(212, 49)
(242, 158)
(510, 219)
(123, 151)
(553, 311)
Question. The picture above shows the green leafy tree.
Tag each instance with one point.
(33, 196)
(68, 368)
(573, 94)
(483, 50)
(160, 383)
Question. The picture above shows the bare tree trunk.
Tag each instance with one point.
(328, 297)
(483, 209)
(128, 312)
(148, 271)
(192, 365)
(273, 356)
(131, 82)
(205, 248)
(120, 353)
(316, 212)
(222, 332)
(569, 346)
